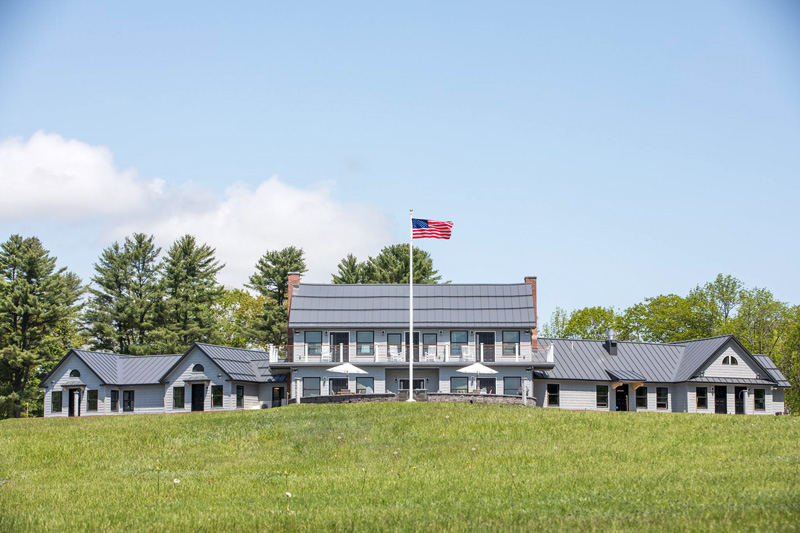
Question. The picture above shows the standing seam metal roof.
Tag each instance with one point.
(435, 306)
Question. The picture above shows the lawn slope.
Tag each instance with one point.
(394, 466)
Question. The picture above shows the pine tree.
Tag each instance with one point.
(351, 271)
(272, 272)
(125, 295)
(38, 303)
(190, 288)
(391, 266)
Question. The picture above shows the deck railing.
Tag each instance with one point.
(434, 353)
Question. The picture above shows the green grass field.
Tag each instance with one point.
(394, 466)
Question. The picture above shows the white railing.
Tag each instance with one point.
(438, 353)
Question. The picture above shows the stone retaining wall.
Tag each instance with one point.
(349, 398)
(478, 398)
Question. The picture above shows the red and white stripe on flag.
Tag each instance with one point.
(423, 228)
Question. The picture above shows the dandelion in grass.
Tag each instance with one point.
(176, 481)
(288, 499)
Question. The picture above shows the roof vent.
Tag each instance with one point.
(611, 342)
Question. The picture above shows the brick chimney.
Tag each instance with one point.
(535, 331)
(294, 279)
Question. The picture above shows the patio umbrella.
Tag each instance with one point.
(347, 369)
(477, 369)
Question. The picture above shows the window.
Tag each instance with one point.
(178, 396)
(512, 386)
(310, 386)
(702, 397)
(216, 395)
(198, 368)
(759, 395)
(365, 385)
(127, 400)
(457, 340)
(56, 401)
(75, 374)
(366, 342)
(313, 340)
(459, 384)
(240, 396)
(115, 400)
(602, 396)
(662, 397)
(91, 400)
(429, 341)
(552, 394)
(641, 398)
(510, 342)
(394, 341)
(730, 360)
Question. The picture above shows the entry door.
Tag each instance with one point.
(622, 397)
(198, 397)
(340, 346)
(739, 395)
(487, 383)
(338, 384)
(74, 402)
(416, 347)
(277, 396)
(487, 339)
(721, 400)
(418, 384)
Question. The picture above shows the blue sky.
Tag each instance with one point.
(615, 150)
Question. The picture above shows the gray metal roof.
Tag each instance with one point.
(144, 369)
(697, 352)
(589, 360)
(772, 370)
(732, 381)
(239, 363)
(435, 306)
(653, 362)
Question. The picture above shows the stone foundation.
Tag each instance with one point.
(478, 398)
(349, 398)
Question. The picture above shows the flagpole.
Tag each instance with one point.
(411, 307)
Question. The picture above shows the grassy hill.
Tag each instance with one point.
(394, 466)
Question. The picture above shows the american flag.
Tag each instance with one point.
(430, 229)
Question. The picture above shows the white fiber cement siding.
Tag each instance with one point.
(377, 373)
(745, 368)
(89, 378)
(182, 376)
(582, 395)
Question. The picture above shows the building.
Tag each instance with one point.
(205, 378)
(454, 325)
(715, 375)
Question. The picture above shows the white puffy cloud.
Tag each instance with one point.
(53, 177)
(49, 177)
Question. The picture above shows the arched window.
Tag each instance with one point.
(730, 360)
(75, 374)
(734, 361)
(198, 368)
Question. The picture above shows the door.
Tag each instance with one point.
(721, 400)
(416, 347)
(488, 384)
(338, 384)
(486, 338)
(740, 393)
(622, 397)
(198, 397)
(277, 396)
(418, 384)
(340, 346)
(74, 402)
(429, 341)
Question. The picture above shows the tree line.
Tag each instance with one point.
(141, 301)
(724, 306)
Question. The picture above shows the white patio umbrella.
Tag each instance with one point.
(347, 369)
(477, 369)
